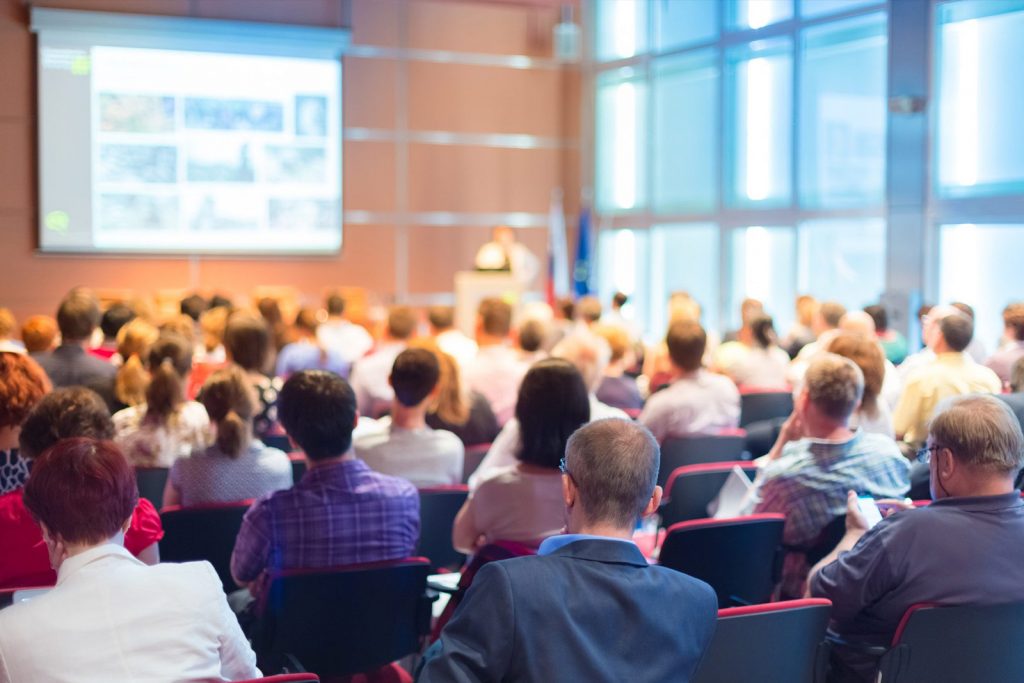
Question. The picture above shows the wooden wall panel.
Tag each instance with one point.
(484, 28)
(369, 176)
(369, 91)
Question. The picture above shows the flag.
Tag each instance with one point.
(582, 269)
(558, 252)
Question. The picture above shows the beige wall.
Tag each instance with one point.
(398, 186)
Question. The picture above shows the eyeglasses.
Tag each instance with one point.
(565, 469)
(924, 455)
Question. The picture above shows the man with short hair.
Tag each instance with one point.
(818, 458)
(449, 339)
(340, 512)
(402, 444)
(348, 340)
(588, 606)
(1001, 362)
(370, 374)
(69, 364)
(114, 318)
(950, 373)
(697, 401)
(966, 548)
(496, 371)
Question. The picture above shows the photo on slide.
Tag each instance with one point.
(138, 212)
(310, 115)
(123, 113)
(295, 164)
(138, 163)
(220, 162)
(206, 113)
(304, 214)
(223, 212)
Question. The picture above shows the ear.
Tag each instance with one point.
(654, 503)
(568, 491)
(127, 525)
(947, 465)
(390, 383)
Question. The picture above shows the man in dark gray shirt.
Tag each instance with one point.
(70, 364)
(967, 547)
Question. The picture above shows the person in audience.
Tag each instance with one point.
(237, 466)
(761, 362)
(801, 334)
(63, 414)
(696, 401)
(449, 339)
(68, 364)
(193, 306)
(561, 324)
(454, 408)
(873, 414)
(8, 328)
(894, 344)
(966, 548)
(113, 319)
(589, 601)
(212, 324)
(22, 385)
(616, 388)
(975, 349)
(588, 311)
(39, 334)
(218, 300)
(658, 370)
(1001, 362)
(112, 617)
(370, 374)
(1015, 399)
(616, 316)
(340, 512)
(179, 325)
(167, 426)
(530, 338)
(951, 372)
(350, 341)
(307, 352)
(496, 371)
(749, 309)
(270, 311)
(522, 502)
(825, 326)
(402, 444)
(818, 458)
(247, 345)
(134, 340)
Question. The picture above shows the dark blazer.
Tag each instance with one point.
(593, 610)
(69, 365)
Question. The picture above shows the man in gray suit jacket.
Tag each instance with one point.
(588, 607)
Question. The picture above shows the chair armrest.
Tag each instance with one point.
(862, 648)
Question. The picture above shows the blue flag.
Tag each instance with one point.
(582, 268)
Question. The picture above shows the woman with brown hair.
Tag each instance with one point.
(237, 466)
(166, 426)
(132, 379)
(22, 385)
(873, 414)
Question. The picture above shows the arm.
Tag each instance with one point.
(172, 496)
(792, 430)
(150, 554)
(252, 546)
(237, 660)
(465, 534)
(477, 643)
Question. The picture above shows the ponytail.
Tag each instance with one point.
(166, 391)
(230, 401)
(131, 382)
(233, 434)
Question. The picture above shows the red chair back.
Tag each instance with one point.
(691, 488)
(739, 557)
(438, 507)
(698, 449)
(203, 532)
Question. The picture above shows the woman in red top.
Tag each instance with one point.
(65, 413)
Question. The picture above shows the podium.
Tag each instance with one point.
(472, 286)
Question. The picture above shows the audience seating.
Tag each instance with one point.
(203, 532)
(278, 441)
(963, 643)
(472, 459)
(299, 465)
(344, 620)
(740, 557)
(700, 448)
(780, 642)
(438, 507)
(691, 488)
(757, 405)
(151, 482)
(285, 678)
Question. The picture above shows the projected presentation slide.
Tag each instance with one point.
(156, 150)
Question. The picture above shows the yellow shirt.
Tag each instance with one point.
(950, 374)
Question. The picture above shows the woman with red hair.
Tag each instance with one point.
(22, 385)
(112, 617)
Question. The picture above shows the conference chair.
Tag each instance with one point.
(700, 448)
(278, 441)
(740, 557)
(299, 465)
(203, 532)
(438, 507)
(472, 459)
(757, 405)
(285, 678)
(343, 620)
(151, 482)
(691, 488)
(780, 642)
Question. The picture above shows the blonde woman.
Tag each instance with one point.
(132, 379)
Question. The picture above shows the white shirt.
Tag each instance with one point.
(426, 457)
(113, 618)
(149, 444)
(348, 340)
(369, 379)
(703, 404)
(496, 373)
(458, 346)
(759, 367)
(502, 453)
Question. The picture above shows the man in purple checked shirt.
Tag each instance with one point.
(340, 512)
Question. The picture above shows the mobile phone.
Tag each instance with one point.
(869, 508)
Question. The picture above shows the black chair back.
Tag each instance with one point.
(346, 620)
(681, 451)
(748, 642)
(757, 406)
(964, 643)
(690, 489)
(205, 532)
(438, 507)
(151, 482)
(739, 557)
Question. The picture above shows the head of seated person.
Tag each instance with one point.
(230, 401)
(832, 391)
(553, 403)
(494, 321)
(317, 409)
(414, 377)
(39, 333)
(590, 354)
(77, 317)
(247, 342)
(441, 319)
(169, 362)
(63, 414)
(23, 384)
(402, 323)
(686, 342)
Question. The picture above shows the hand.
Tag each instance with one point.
(792, 430)
(855, 522)
(890, 506)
